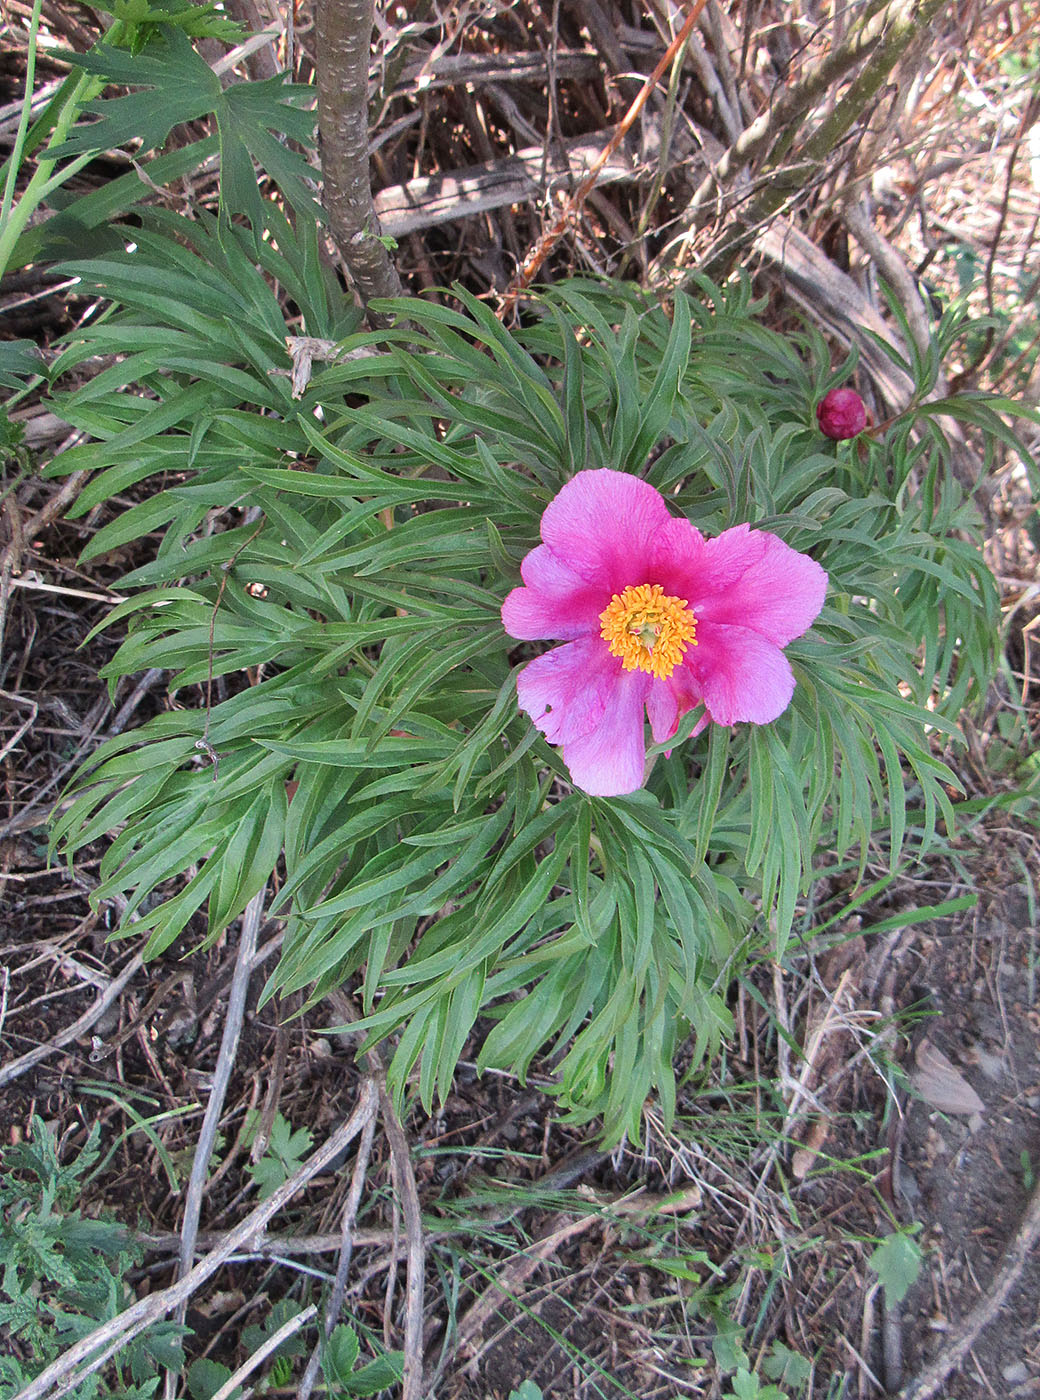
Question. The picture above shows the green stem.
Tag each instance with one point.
(44, 178)
(23, 119)
(65, 173)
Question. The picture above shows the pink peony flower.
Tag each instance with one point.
(655, 618)
(841, 414)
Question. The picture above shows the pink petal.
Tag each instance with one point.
(742, 675)
(662, 706)
(579, 696)
(611, 759)
(569, 689)
(556, 602)
(669, 700)
(752, 579)
(676, 557)
(600, 525)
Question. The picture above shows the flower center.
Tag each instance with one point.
(648, 629)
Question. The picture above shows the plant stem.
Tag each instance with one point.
(44, 178)
(23, 117)
(343, 34)
(901, 22)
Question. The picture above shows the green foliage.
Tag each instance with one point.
(257, 1334)
(285, 1152)
(63, 1274)
(344, 1377)
(340, 1354)
(897, 1263)
(369, 745)
(19, 360)
(149, 48)
(747, 1386)
(787, 1366)
(176, 85)
(205, 1377)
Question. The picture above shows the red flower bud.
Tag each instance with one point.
(841, 414)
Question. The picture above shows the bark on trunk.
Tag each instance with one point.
(343, 39)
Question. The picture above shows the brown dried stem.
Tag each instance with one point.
(79, 1027)
(549, 240)
(221, 1079)
(83, 1358)
(894, 30)
(772, 131)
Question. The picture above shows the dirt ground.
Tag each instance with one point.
(968, 1178)
(965, 986)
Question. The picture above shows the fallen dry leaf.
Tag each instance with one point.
(941, 1084)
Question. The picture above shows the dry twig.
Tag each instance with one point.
(537, 256)
(271, 1344)
(221, 1079)
(346, 1250)
(404, 1180)
(79, 1027)
(90, 1353)
(928, 1382)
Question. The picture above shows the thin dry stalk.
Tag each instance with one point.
(272, 1343)
(515, 1275)
(408, 1194)
(548, 241)
(346, 1250)
(84, 1358)
(221, 1079)
(79, 1027)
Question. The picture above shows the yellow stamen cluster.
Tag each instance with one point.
(648, 629)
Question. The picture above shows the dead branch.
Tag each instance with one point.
(80, 1027)
(548, 241)
(904, 22)
(404, 1181)
(813, 281)
(928, 1382)
(458, 194)
(236, 1010)
(894, 270)
(346, 1250)
(792, 105)
(84, 1358)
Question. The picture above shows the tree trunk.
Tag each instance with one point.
(343, 39)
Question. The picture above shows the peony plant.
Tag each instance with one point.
(357, 576)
